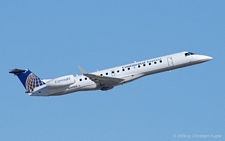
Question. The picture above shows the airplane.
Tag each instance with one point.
(105, 79)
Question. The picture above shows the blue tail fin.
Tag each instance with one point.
(28, 79)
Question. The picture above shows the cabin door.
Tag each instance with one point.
(170, 61)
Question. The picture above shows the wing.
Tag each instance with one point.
(102, 80)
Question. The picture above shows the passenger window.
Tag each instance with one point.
(139, 66)
(85, 78)
(150, 63)
(101, 74)
(155, 62)
(80, 79)
(128, 68)
(123, 69)
(160, 61)
(144, 65)
(118, 71)
(106, 73)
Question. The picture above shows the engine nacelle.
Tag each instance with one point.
(61, 81)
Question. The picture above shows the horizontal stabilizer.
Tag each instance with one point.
(17, 71)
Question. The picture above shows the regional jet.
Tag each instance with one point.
(105, 79)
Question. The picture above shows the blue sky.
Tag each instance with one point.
(53, 37)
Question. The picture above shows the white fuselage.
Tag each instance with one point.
(128, 72)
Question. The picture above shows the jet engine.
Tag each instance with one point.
(61, 81)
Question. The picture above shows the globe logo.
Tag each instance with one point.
(32, 82)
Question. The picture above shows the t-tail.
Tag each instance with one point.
(29, 80)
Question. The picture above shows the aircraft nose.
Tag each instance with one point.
(206, 58)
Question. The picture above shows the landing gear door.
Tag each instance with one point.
(170, 61)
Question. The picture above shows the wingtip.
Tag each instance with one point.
(82, 70)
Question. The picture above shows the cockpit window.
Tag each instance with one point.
(186, 54)
(189, 53)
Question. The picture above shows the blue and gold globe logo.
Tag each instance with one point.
(32, 82)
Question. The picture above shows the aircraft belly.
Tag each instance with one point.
(92, 86)
(73, 88)
(58, 91)
(40, 91)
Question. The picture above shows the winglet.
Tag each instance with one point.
(82, 70)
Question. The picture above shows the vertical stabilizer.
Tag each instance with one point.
(28, 79)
